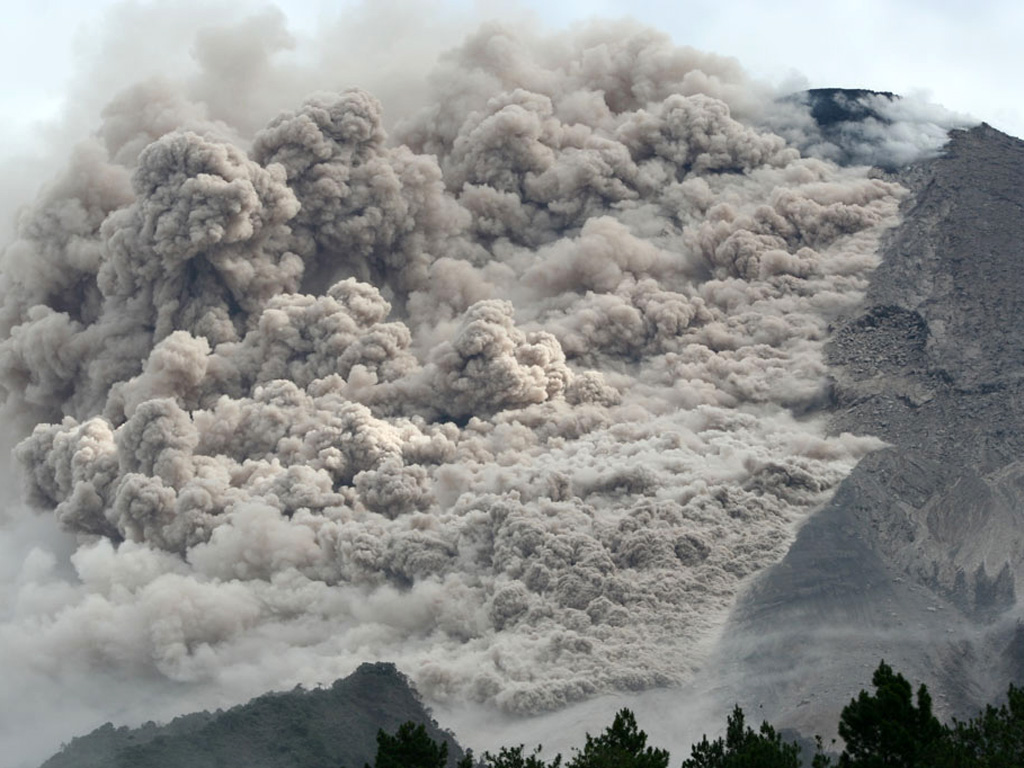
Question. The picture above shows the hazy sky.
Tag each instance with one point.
(965, 56)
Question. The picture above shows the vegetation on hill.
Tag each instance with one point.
(326, 727)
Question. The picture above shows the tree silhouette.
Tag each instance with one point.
(886, 730)
(993, 739)
(743, 748)
(410, 747)
(513, 757)
(622, 745)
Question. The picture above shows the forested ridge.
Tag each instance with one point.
(333, 725)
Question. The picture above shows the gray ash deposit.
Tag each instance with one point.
(919, 557)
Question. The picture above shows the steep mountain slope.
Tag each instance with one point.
(919, 556)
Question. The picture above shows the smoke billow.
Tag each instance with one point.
(515, 393)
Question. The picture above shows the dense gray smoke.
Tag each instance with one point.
(859, 127)
(515, 394)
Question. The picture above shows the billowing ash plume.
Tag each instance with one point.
(516, 396)
(857, 126)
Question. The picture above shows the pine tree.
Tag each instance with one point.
(886, 730)
(993, 739)
(514, 757)
(410, 747)
(622, 745)
(743, 748)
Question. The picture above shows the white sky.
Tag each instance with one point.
(963, 55)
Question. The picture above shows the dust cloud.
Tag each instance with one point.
(514, 387)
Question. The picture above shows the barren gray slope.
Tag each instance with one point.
(918, 558)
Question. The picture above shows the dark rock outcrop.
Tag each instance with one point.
(833, 106)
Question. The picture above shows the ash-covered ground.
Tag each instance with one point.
(919, 556)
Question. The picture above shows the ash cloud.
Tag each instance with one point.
(516, 393)
(856, 126)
